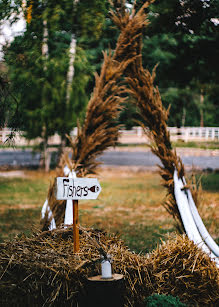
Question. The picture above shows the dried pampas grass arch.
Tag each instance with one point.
(100, 130)
(44, 268)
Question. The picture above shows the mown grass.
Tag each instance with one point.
(17, 221)
(14, 191)
(129, 205)
(192, 144)
(210, 182)
(180, 143)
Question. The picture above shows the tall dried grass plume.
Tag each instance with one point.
(100, 129)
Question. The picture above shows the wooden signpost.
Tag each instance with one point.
(75, 189)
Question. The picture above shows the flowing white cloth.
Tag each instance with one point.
(193, 225)
(69, 203)
(69, 206)
(46, 208)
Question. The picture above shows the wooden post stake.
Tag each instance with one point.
(75, 189)
(75, 226)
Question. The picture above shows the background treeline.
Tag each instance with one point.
(182, 37)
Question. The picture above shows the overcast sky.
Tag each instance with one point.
(7, 32)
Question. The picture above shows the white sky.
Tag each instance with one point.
(8, 32)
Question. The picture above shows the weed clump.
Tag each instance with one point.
(160, 300)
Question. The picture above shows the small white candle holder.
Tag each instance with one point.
(106, 268)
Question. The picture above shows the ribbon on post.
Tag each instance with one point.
(69, 203)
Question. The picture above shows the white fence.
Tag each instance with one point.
(195, 133)
(20, 140)
(186, 134)
(133, 136)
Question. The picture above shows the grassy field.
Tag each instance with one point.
(129, 205)
(180, 144)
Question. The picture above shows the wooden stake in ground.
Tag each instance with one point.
(75, 189)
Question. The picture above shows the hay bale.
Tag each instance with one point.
(181, 268)
(43, 270)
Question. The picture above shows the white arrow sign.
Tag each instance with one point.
(77, 188)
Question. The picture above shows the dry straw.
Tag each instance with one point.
(44, 271)
(100, 129)
(154, 122)
(182, 269)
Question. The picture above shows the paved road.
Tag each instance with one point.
(19, 158)
(149, 159)
(116, 158)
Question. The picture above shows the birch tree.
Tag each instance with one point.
(48, 69)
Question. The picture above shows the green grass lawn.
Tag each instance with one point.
(192, 144)
(129, 205)
(202, 145)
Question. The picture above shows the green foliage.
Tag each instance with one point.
(183, 39)
(39, 81)
(160, 300)
(180, 101)
(129, 116)
(9, 111)
(91, 18)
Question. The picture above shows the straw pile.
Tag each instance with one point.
(42, 270)
(181, 268)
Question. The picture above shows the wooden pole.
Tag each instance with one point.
(75, 226)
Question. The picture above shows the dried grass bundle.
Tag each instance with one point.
(44, 271)
(100, 129)
(182, 269)
(154, 122)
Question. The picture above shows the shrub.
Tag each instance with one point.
(160, 300)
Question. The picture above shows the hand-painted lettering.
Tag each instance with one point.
(85, 191)
(77, 188)
(65, 185)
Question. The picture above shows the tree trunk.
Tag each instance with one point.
(45, 48)
(184, 117)
(70, 73)
(45, 54)
(69, 79)
(201, 109)
(47, 155)
(61, 148)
